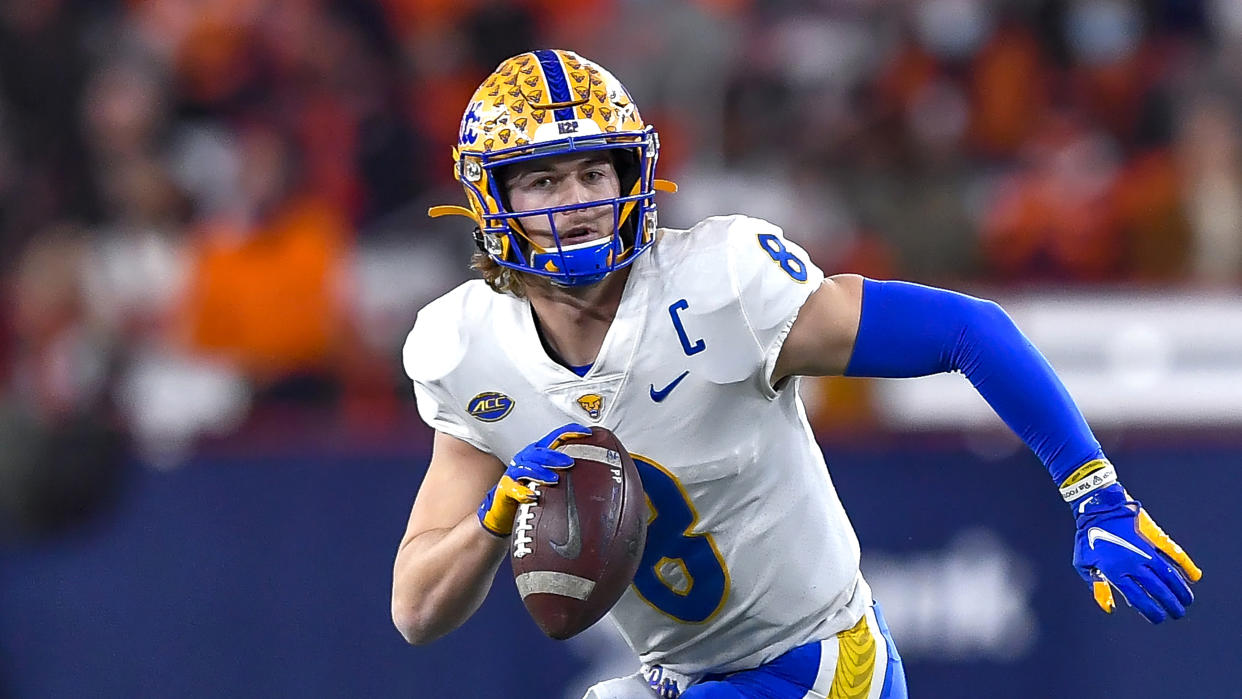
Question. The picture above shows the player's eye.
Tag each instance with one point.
(597, 175)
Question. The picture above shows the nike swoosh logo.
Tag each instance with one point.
(1096, 534)
(660, 395)
(571, 548)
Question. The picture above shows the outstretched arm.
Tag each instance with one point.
(898, 329)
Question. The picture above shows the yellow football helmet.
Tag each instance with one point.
(545, 103)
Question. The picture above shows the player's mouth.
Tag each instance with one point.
(578, 234)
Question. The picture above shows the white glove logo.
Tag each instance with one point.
(1095, 533)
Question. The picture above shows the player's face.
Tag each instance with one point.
(560, 181)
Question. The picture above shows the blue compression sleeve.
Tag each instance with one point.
(911, 330)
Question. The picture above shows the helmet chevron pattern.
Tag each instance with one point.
(546, 103)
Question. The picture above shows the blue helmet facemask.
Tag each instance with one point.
(588, 262)
(580, 264)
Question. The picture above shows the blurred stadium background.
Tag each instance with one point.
(212, 241)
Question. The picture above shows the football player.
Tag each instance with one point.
(687, 344)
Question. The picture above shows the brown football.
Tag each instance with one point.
(577, 549)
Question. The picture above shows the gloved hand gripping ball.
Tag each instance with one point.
(538, 462)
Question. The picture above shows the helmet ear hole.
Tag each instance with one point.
(625, 162)
(500, 176)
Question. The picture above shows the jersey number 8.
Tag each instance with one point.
(780, 254)
(682, 573)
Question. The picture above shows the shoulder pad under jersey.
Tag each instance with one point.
(436, 346)
(743, 283)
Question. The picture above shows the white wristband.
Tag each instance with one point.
(1091, 476)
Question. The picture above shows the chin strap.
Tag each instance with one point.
(450, 210)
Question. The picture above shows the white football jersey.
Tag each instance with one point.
(749, 552)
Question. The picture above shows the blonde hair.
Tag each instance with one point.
(501, 279)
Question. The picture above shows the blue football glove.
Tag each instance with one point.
(1118, 546)
(537, 463)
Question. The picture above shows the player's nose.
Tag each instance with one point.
(580, 197)
(576, 192)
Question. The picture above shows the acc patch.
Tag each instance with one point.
(593, 404)
(490, 406)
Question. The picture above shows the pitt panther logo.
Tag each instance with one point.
(490, 406)
(593, 404)
(469, 124)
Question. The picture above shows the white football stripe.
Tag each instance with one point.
(553, 583)
(590, 452)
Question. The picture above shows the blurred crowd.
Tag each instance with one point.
(213, 210)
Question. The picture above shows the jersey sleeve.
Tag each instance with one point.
(432, 350)
(772, 277)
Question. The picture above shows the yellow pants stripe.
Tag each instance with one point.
(853, 663)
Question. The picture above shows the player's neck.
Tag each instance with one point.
(575, 320)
